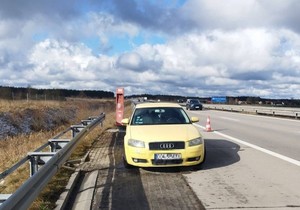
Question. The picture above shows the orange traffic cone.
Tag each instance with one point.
(208, 127)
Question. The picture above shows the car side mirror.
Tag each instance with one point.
(125, 121)
(194, 119)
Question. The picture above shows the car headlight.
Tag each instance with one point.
(195, 142)
(136, 143)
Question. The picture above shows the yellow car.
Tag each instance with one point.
(162, 135)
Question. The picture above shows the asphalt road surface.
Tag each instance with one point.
(253, 162)
(106, 184)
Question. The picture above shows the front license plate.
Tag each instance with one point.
(197, 107)
(175, 156)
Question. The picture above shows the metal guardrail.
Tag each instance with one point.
(44, 165)
(271, 111)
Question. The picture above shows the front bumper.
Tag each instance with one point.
(143, 157)
(196, 108)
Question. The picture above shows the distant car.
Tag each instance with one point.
(162, 135)
(193, 104)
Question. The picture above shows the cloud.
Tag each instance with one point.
(66, 65)
(233, 14)
(225, 61)
(208, 48)
(19, 9)
(215, 63)
(132, 61)
(161, 16)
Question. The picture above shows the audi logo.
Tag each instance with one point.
(166, 146)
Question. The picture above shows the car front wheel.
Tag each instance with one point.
(126, 164)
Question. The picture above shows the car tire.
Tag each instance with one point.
(126, 164)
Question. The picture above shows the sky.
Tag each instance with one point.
(198, 48)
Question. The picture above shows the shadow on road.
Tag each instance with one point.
(220, 153)
(127, 188)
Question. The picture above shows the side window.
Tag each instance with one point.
(142, 117)
(137, 120)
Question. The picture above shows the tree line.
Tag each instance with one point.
(29, 93)
(234, 100)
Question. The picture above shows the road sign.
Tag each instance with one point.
(218, 99)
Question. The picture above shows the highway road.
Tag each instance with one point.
(253, 162)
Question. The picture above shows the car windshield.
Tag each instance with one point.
(194, 101)
(159, 115)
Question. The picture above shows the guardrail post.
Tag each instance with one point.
(94, 118)
(57, 144)
(33, 165)
(86, 122)
(296, 116)
(273, 113)
(37, 159)
(76, 129)
(4, 197)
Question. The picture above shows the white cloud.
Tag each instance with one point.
(233, 14)
(226, 59)
(65, 65)
(132, 61)
(212, 47)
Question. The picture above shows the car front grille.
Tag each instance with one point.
(166, 145)
(166, 162)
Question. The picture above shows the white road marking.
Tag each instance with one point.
(229, 118)
(274, 154)
(262, 116)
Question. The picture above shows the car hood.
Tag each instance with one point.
(150, 133)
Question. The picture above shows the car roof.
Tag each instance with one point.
(160, 104)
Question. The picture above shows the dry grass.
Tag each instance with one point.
(20, 105)
(13, 106)
(13, 149)
(57, 185)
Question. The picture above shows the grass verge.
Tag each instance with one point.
(14, 148)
